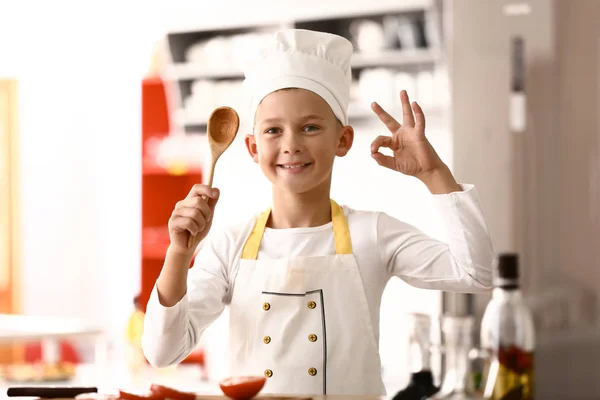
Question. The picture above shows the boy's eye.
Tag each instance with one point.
(273, 130)
(311, 128)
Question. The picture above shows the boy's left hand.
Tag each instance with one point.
(413, 154)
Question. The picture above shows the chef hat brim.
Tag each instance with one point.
(296, 82)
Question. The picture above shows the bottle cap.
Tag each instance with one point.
(508, 266)
(423, 378)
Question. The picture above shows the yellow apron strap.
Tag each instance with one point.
(341, 233)
(252, 245)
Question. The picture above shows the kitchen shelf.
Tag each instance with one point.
(385, 58)
(190, 70)
(356, 113)
(422, 53)
(180, 117)
(394, 58)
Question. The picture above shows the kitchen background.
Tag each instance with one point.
(96, 165)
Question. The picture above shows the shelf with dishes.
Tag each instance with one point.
(382, 84)
(393, 45)
(379, 34)
(384, 58)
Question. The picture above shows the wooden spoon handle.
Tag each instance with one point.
(211, 174)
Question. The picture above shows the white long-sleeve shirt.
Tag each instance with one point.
(384, 247)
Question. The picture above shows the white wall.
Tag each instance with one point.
(80, 158)
(79, 78)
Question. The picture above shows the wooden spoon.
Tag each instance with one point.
(223, 125)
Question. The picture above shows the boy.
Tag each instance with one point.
(304, 279)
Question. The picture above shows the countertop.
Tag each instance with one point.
(185, 378)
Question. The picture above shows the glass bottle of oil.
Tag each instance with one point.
(508, 337)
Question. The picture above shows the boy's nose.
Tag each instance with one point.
(291, 144)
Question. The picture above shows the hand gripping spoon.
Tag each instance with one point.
(223, 125)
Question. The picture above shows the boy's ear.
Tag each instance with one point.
(346, 138)
(252, 147)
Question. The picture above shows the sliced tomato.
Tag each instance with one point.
(170, 393)
(242, 387)
(132, 396)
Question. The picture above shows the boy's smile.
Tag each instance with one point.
(294, 168)
(296, 139)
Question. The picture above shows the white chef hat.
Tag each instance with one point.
(299, 58)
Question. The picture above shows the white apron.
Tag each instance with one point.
(304, 322)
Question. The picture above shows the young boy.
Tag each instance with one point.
(304, 279)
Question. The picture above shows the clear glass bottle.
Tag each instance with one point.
(421, 385)
(457, 342)
(508, 337)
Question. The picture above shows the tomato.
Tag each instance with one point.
(131, 396)
(242, 387)
(169, 393)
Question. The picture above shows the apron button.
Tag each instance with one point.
(312, 337)
(312, 371)
(312, 304)
(266, 306)
(267, 339)
(268, 373)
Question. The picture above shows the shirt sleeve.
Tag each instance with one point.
(464, 264)
(172, 333)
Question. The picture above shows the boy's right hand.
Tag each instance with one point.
(192, 216)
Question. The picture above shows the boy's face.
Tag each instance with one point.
(296, 138)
